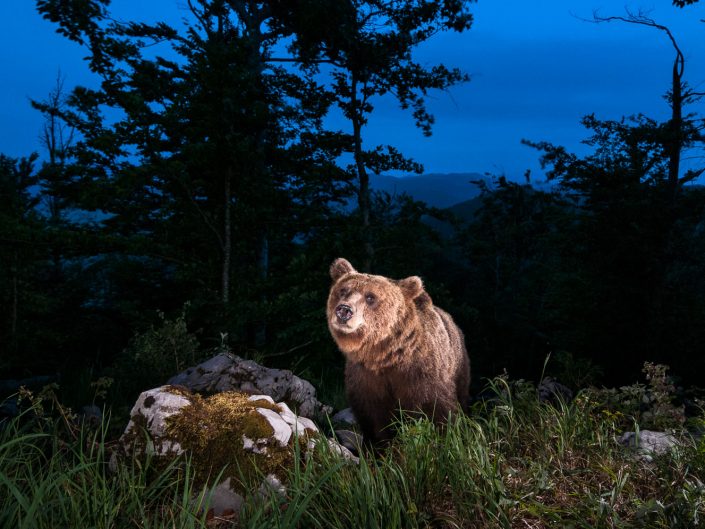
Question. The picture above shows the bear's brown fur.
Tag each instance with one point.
(402, 352)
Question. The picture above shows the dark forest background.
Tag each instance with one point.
(195, 200)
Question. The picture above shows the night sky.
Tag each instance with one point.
(536, 69)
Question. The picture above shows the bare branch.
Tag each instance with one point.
(642, 20)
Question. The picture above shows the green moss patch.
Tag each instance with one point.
(211, 430)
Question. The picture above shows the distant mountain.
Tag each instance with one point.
(440, 190)
(466, 210)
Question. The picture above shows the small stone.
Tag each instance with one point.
(349, 439)
(550, 390)
(223, 499)
(272, 484)
(92, 414)
(345, 416)
(336, 448)
(258, 446)
(648, 443)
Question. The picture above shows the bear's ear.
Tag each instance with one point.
(340, 267)
(412, 287)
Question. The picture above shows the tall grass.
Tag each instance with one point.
(52, 480)
(512, 463)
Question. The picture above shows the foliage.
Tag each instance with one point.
(683, 3)
(626, 293)
(518, 269)
(210, 170)
(652, 406)
(156, 354)
(575, 372)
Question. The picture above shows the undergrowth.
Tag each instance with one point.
(514, 462)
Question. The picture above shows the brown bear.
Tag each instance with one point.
(401, 351)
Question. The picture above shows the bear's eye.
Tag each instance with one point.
(370, 298)
(344, 292)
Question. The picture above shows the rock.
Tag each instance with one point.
(301, 424)
(150, 414)
(247, 435)
(648, 443)
(350, 440)
(550, 390)
(92, 414)
(10, 386)
(226, 372)
(335, 448)
(345, 416)
(282, 431)
(272, 485)
(223, 499)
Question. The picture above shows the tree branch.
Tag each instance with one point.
(642, 20)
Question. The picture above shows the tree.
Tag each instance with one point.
(628, 246)
(54, 177)
(369, 45)
(516, 251)
(217, 155)
(19, 248)
(681, 131)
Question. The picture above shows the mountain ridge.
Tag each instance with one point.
(440, 190)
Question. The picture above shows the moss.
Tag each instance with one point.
(211, 430)
(180, 390)
(135, 436)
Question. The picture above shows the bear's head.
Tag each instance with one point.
(364, 310)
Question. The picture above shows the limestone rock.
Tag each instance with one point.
(272, 485)
(300, 424)
(648, 443)
(281, 430)
(247, 435)
(150, 414)
(335, 448)
(226, 372)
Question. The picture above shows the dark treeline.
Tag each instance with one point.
(198, 186)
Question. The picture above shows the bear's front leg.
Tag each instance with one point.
(371, 402)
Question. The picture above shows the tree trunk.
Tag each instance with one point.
(675, 135)
(261, 331)
(15, 303)
(363, 190)
(227, 240)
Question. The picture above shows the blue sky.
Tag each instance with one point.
(536, 69)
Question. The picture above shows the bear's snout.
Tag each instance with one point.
(343, 312)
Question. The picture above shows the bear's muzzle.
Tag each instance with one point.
(343, 312)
